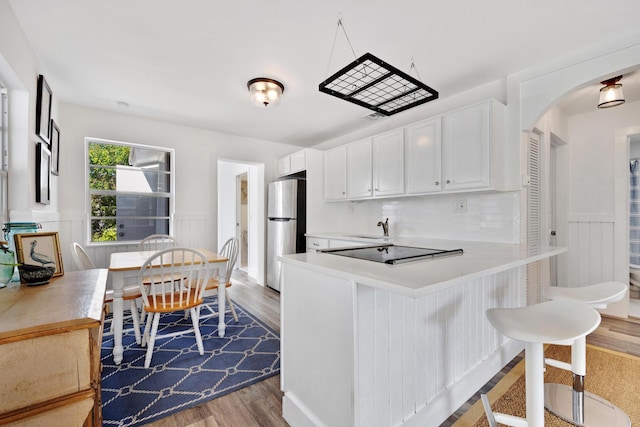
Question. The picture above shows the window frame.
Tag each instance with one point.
(4, 154)
(89, 192)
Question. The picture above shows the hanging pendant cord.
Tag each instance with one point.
(333, 46)
(414, 68)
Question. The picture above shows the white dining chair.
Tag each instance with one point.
(157, 242)
(130, 293)
(160, 297)
(230, 251)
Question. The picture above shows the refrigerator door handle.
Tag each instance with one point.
(280, 219)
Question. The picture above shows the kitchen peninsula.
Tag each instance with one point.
(371, 344)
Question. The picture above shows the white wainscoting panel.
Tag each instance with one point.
(419, 349)
(590, 255)
(190, 229)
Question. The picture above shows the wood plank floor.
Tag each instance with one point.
(260, 405)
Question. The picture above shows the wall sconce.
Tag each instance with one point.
(611, 94)
(265, 92)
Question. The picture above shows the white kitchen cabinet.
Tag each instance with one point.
(463, 150)
(335, 173)
(359, 170)
(292, 163)
(423, 157)
(284, 166)
(470, 135)
(388, 163)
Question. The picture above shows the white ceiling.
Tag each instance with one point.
(188, 61)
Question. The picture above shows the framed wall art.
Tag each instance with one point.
(55, 147)
(40, 249)
(43, 170)
(43, 109)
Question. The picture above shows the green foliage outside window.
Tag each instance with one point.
(105, 179)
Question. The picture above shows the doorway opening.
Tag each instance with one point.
(241, 213)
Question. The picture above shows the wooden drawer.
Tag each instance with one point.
(44, 368)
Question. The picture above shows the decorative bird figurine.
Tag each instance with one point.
(41, 258)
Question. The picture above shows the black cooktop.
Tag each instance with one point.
(393, 254)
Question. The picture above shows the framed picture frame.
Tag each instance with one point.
(55, 147)
(43, 109)
(43, 171)
(41, 249)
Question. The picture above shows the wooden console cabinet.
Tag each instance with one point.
(50, 337)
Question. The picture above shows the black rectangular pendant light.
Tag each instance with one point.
(372, 83)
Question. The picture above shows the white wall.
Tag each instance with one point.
(197, 153)
(19, 70)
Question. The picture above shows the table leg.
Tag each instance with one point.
(117, 280)
(222, 303)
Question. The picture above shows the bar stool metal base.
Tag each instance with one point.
(558, 399)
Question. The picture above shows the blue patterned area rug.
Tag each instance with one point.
(179, 378)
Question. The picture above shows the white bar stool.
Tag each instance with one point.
(573, 404)
(553, 322)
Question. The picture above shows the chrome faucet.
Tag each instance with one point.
(385, 226)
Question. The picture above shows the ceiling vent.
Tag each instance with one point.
(373, 116)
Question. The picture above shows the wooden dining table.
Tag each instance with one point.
(127, 264)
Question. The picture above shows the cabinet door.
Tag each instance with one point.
(466, 148)
(335, 173)
(298, 161)
(284, 166)
(359, 169)
(423, 145)
(388, 163)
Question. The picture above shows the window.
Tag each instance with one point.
(130, 190)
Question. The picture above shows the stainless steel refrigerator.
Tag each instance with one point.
(286, 224)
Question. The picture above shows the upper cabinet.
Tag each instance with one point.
(292, 163)
(388, 163)
(375, 166)
(423, 157)
(467, 148)
(335, 173)
(359, 169)
(464, 150)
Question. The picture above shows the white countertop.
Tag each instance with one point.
(422, 277)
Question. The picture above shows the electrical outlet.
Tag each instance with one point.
(460, 205)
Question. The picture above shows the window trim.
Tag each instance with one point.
(88, 191)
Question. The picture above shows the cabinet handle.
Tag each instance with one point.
(315, 244)
(343, 192)
(437, 182)
(448, 182)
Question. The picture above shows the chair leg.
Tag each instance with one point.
(145, 336)
(196, 329)
(152, 339)
(233, 310)
(136, 320)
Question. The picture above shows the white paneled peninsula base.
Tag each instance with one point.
(368, 344)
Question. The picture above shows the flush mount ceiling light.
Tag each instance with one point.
(265, 92)
(611, 94)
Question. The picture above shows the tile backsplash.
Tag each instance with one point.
(490, 217)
